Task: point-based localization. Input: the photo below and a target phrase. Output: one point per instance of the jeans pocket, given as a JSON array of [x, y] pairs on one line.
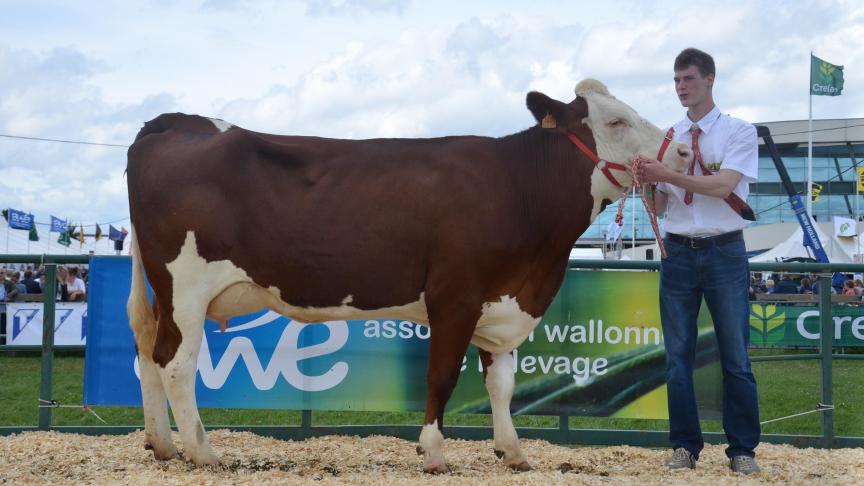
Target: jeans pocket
[[673, 249], [734, 249]]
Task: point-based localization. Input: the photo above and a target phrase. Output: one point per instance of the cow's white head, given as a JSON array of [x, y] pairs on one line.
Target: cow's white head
[[618, 133]]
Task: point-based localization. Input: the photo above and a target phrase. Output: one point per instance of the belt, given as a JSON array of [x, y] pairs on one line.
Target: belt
[[707, 241]]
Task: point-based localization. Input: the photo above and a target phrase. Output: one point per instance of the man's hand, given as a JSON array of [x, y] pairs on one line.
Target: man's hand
[[651, 171]]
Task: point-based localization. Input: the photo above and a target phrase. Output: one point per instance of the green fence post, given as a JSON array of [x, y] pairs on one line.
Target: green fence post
[[47, 384], [825, 350], [306, 423]]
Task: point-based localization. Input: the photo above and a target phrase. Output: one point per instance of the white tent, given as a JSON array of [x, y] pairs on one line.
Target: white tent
[[839, 250]]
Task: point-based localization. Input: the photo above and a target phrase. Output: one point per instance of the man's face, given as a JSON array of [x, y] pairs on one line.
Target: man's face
[[692, 88]]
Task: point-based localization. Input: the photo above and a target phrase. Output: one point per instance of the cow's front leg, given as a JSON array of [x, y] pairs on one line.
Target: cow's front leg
[[500, 382], [451, 333]]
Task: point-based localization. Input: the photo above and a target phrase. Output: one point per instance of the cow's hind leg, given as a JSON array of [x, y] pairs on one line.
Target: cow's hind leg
[[451, 332], [178, 377], [157, 429], [142, 319], [500, 382]]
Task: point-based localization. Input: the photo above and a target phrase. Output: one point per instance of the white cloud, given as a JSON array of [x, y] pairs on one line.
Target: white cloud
[[377, 68]]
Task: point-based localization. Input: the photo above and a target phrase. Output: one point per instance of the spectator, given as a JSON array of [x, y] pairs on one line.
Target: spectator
[[838, 282], [785, 285], [769, 287], [14, 287], [755, 287], [30, 283], [805, 287], [62, 286], [75, 286], [859, 286], [849, 287]]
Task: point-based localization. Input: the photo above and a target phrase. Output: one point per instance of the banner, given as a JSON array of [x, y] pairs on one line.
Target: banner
[[24, 323], [598, 351], [777, 324]]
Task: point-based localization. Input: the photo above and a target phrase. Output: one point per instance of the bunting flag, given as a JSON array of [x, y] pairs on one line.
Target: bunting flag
[[34, 236], [116, 235], [81, 236], [65, 237], [18, 219], [98, 234], [58, 225]]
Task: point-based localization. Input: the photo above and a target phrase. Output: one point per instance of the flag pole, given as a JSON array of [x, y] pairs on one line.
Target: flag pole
[[810, 146]]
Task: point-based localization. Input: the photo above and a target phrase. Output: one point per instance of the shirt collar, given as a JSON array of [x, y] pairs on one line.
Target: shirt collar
[[705, 123]]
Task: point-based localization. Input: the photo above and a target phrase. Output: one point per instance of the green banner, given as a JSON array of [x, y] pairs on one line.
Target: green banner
[[826, 79], [598, 351], [780, 324]]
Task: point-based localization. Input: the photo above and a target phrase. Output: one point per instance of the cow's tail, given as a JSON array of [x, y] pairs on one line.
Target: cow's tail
[[141, 316]]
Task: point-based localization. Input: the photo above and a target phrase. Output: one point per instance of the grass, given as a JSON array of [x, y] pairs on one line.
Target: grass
[[785, 388]]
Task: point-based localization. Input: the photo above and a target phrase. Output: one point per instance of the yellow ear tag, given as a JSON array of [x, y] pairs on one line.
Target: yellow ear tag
[[548, 122]]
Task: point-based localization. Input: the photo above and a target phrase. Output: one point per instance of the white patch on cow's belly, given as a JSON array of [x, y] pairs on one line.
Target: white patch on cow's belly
[[503, 326], [226, 290], [222, 125]]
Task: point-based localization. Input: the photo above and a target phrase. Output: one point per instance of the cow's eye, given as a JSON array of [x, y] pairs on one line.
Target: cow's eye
[[617, 123]]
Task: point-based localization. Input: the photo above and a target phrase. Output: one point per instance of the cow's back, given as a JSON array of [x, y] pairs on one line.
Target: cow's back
[[364, 217]]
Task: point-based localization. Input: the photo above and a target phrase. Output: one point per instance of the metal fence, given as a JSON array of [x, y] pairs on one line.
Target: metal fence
[[562, 434]]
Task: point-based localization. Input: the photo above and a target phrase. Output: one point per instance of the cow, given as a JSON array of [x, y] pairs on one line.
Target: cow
[[467, 235]]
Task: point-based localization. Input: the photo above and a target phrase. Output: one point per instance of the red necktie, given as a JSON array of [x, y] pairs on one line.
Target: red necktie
[[733, 200]]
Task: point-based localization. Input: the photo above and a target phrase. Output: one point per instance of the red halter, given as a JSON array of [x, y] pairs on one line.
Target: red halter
[[607, 165]]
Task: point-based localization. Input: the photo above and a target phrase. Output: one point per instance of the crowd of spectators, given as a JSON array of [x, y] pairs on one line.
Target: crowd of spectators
[[785, 283], [20, 280]]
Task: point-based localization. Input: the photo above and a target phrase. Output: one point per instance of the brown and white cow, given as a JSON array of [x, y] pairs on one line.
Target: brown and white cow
[[468, 235]]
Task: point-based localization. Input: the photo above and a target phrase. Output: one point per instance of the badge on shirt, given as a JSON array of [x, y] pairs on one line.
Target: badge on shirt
[[714, 167]]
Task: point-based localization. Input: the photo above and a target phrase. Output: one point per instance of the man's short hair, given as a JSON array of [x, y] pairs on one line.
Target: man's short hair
[[694, 57]]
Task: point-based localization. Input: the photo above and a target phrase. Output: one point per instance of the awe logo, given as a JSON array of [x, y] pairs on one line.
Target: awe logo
[[285, 360]]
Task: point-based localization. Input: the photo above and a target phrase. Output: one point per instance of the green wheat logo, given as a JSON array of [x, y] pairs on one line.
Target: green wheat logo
[[827, 71], [766, 321]]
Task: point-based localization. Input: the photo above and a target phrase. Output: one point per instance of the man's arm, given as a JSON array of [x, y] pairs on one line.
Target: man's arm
[[720, 185]]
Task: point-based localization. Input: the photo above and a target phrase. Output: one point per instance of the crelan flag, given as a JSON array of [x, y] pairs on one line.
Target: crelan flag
[[826, 79]]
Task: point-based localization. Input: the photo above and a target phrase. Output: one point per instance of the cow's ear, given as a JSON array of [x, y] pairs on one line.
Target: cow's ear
[[548, 112]]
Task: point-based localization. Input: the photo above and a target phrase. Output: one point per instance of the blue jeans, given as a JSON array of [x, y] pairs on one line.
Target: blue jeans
[[720, 274]]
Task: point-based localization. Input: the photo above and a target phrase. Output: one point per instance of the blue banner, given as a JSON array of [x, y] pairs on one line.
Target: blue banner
[[20, 219]]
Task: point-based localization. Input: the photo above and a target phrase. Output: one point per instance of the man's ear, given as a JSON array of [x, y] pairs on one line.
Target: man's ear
[[548, 112]]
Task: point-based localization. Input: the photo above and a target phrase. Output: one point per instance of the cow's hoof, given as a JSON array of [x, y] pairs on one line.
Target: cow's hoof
[[420, 450], [441, 468], [201, 459], [499, 453], [163, 453], [521, 466]]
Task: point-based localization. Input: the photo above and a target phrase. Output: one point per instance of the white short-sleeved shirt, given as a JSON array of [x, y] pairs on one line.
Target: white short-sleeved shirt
[[78, 285], [725, 143]]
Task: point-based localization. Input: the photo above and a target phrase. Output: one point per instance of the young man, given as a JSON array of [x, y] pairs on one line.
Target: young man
[[706, 211]]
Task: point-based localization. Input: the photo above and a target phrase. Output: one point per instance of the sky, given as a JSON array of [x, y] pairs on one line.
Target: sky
[[96, 71]]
